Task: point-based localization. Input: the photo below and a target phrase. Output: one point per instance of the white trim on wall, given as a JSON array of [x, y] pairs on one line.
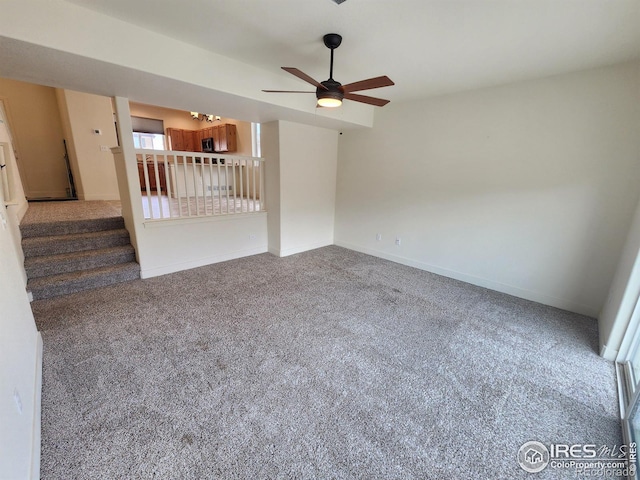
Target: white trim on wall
[[561, 303], [37, 412]]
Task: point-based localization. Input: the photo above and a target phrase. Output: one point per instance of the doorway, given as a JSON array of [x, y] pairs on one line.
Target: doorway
[[32, 115]]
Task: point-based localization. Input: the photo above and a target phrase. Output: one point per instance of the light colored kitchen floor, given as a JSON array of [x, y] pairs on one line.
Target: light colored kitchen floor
[[164, 207]]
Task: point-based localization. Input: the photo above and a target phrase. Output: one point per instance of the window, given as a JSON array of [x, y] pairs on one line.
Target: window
[[150, 141], [148, 133]]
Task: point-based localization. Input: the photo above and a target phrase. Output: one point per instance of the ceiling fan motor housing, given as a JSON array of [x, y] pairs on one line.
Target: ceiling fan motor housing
[[332, 89]]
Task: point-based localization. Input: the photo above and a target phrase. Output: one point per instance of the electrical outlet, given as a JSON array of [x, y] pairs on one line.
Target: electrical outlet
[[378, 237], [104, 148], [252, 236], [398, 241]]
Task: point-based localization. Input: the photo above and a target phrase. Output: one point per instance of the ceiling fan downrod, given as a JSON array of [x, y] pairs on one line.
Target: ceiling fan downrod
[[332, 41]]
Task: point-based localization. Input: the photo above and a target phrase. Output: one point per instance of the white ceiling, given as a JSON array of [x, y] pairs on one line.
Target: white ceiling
[[428, 47]]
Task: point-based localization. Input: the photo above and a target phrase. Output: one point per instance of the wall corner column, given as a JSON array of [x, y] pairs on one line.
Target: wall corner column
[[127, 173]]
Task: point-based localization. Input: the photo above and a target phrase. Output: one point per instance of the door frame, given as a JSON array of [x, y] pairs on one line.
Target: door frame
[[629, 380]]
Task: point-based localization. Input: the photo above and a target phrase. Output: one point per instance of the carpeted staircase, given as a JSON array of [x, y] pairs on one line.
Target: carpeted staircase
[[69, 256]]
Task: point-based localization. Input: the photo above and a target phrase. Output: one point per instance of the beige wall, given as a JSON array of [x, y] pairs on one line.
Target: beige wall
[[34, 119], [83, 113], [528, 188], [179, 119]]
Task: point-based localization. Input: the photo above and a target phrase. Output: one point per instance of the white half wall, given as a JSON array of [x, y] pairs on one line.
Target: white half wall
[[301, 175], [172, 246], [527, 189], [20, 363], [167, 246]]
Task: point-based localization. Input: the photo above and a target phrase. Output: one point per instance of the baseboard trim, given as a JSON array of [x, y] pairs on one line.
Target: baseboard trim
[[561, 303], [608, 352], [37, 413], [285, 252], [106, 197], [201, 262], [47, 194]]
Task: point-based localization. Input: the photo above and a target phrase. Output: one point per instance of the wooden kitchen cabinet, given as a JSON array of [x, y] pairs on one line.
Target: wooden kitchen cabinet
[[187, 138], [216, 138], [225, 138], [153, 185], [176, 139], [198, 135]]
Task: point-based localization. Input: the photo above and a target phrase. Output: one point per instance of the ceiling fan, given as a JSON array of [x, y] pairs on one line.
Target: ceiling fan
[[330, 93]]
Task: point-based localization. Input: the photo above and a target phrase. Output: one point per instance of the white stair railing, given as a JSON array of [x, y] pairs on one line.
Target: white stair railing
[[176, 184], [4, 174]]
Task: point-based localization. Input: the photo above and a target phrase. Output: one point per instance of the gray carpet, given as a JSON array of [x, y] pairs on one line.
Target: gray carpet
[[326, 364], [66, 255], [46, 212]]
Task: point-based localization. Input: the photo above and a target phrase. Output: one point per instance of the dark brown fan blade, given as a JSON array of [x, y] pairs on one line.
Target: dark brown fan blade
[[286, 91], [303, 76], [368, 84], [378, 102]]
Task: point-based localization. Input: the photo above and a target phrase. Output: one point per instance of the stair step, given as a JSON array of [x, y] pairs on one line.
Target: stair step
[[67, 283], [68, 227], [58, 244], [43, 266]]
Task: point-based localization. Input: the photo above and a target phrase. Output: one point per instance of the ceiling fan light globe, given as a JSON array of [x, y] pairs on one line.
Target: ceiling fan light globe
[[329, 102]]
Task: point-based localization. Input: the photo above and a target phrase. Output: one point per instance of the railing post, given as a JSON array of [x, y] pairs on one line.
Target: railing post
[[263, 204]]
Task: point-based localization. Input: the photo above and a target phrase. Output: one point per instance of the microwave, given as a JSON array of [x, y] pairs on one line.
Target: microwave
[[207, 145]]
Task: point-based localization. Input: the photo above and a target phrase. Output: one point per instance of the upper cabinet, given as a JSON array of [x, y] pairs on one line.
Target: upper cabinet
[[198, 135], [176, 138], [187, 136], [225, 138]]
